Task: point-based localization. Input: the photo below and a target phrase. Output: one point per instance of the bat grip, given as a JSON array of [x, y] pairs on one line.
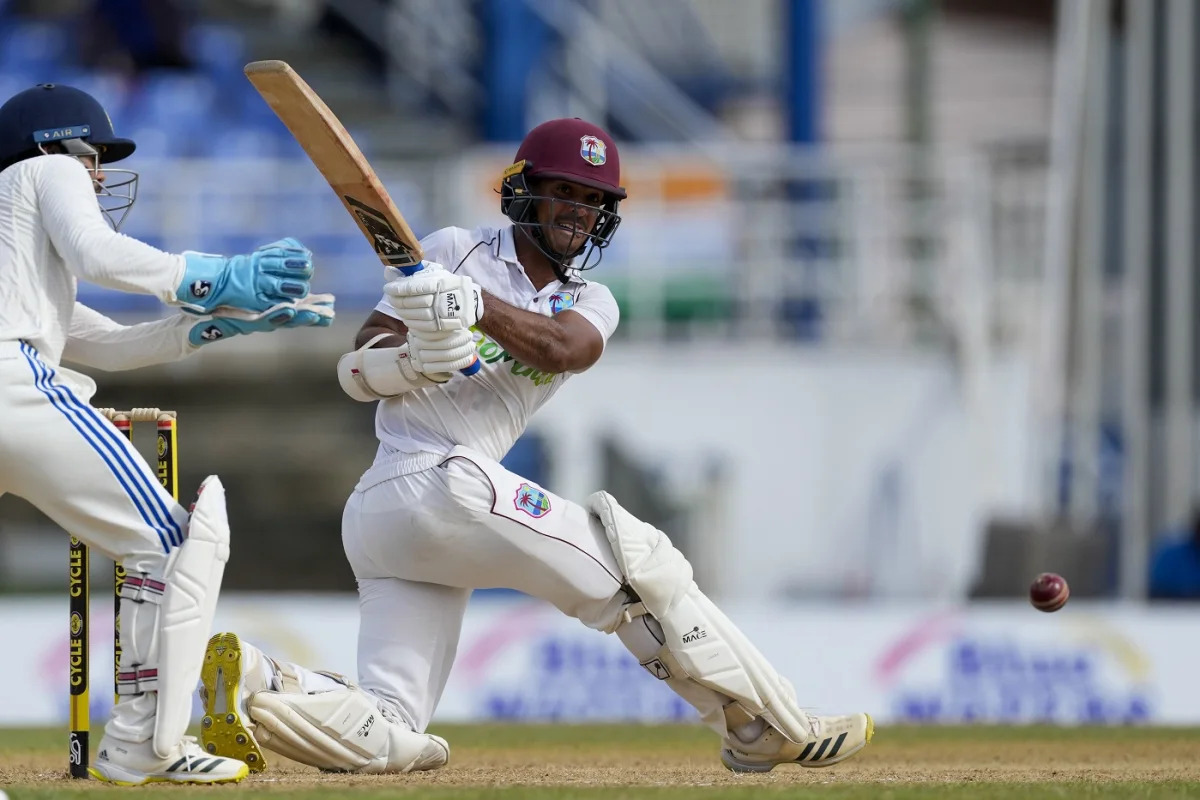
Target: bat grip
[[408, 272]]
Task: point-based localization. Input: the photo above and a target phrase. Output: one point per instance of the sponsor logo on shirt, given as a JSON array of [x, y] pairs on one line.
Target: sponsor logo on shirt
[[490, 351]]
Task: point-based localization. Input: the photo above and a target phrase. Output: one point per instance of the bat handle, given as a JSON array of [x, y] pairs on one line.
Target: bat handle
[[413, 270]]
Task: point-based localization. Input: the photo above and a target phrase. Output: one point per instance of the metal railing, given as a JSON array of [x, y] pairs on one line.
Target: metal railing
[[856, 247]]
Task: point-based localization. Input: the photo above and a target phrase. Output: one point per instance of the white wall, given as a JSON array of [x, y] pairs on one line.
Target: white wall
[[847, 473]]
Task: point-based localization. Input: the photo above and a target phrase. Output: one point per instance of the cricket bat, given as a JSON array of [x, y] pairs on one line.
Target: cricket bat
[[334, 153]]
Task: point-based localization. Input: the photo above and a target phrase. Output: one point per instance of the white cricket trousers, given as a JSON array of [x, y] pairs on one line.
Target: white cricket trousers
[[61, 455], [419, 538]]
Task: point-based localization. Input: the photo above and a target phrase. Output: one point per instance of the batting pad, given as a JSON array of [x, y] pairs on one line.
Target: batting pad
[[701, 643], [341, 731], [193, 583]]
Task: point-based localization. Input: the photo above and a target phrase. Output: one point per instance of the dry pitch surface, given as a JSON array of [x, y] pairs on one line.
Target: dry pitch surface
[[617, 762]]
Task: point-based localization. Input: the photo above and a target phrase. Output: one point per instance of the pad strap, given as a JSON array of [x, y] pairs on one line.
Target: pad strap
[[141, 675]]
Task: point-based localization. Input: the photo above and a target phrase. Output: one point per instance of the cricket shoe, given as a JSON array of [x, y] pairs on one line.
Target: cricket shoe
[[134, 763], [231, 673], [833, 740]]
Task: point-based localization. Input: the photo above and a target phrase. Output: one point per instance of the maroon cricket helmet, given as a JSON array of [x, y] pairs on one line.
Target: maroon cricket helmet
[[573, 150]]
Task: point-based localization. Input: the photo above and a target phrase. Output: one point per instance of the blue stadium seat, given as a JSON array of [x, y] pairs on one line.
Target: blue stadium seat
[[111, 90], [151, 142], [182, 105], [11, 84], [218, 49], [32, 47], [241, 141], [528, 458]]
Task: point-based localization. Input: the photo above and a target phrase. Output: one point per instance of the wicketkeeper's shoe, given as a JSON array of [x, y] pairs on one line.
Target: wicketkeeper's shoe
[[231, 673], [833, 740], [132, 764]]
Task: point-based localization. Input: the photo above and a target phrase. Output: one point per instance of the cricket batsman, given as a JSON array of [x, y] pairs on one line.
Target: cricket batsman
[[60, 454], [437, 515]]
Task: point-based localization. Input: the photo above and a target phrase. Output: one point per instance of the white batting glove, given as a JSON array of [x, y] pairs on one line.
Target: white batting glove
[[433, 355], [437, 303]]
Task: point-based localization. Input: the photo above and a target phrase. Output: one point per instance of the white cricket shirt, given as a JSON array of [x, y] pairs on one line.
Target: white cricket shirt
[[489, 410], [52, 235]]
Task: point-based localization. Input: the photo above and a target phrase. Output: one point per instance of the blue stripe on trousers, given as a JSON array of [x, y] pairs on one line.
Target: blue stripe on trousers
[[108, 444]]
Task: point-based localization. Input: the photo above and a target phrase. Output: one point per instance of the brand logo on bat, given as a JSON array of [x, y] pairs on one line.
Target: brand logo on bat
[[658, 669], [383, 236]]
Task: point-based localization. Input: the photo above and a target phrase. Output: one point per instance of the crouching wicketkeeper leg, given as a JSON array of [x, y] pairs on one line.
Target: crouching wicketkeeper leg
[[681, 637], [167, 608]]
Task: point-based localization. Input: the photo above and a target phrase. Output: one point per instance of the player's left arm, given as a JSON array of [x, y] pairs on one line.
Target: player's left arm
[[569, 341]]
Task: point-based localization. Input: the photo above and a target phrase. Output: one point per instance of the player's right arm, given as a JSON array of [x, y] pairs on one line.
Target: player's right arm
[[199, 282], [90, 248], [394, 331], [387, 361]]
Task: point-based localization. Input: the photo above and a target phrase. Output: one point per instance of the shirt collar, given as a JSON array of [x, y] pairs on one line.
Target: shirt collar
[[506, 248]]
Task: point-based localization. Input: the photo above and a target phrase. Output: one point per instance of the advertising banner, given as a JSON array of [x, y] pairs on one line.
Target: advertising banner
[[521, 660]]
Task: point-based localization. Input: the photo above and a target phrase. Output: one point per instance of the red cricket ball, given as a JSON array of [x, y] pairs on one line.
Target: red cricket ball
[[1049, 592]]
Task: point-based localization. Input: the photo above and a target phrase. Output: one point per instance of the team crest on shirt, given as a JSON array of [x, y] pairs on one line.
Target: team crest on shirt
[[532, 500], [593, 150], [561, 301]]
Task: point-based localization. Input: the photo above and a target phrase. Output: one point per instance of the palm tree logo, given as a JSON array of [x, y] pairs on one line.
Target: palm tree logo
[[532, 500], [560, 301]]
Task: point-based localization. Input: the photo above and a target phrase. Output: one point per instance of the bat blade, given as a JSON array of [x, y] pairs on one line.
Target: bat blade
[[334, 153]]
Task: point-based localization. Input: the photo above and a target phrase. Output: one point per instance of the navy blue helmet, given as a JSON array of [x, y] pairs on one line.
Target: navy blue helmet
[[51, 112]]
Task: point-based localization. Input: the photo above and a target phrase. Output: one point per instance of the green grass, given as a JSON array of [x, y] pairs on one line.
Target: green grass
[[594, 762]]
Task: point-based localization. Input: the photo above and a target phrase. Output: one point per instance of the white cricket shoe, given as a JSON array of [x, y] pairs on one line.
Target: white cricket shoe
[[231, 673], [833, 740], [134, 763]]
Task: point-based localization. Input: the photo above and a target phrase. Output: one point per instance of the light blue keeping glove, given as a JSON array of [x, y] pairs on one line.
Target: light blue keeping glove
[[314, 311], [275, 273]]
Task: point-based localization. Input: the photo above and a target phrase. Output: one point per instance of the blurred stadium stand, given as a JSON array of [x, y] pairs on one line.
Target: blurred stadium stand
[[731, 233]]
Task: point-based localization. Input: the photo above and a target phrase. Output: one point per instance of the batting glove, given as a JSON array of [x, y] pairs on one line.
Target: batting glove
[[436, 303], [446, 353]]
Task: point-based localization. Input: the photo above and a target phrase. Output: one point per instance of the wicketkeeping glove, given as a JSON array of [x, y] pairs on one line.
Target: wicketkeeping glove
[[275, 273], [314, 311]]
